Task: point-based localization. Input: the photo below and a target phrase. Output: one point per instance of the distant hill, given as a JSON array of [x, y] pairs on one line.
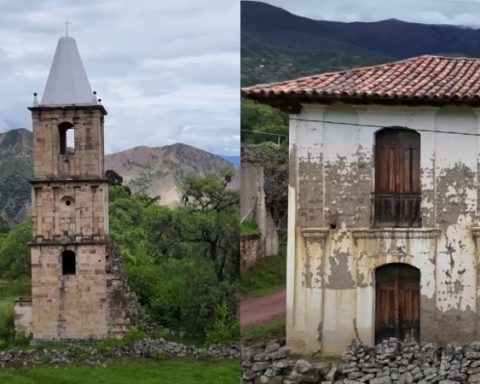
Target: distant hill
[[16, 169], [156, 171], [277, 45], [159, 171]]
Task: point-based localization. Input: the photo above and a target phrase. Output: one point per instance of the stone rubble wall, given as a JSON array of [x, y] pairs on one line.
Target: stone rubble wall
[[83, 354], [390, 362], [124, 310]]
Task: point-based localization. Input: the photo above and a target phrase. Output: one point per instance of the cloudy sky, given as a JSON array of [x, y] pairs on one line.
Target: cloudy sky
[[167, 71], [457, 12]]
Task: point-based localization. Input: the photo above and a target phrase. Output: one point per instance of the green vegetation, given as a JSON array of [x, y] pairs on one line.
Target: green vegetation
[[274, 329], [260, 123], [15, 253], [249, 228], [182, 262], [266, 276], [163, 371]]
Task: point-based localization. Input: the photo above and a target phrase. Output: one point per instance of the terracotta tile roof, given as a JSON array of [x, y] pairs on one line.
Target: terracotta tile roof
[[422, 79]]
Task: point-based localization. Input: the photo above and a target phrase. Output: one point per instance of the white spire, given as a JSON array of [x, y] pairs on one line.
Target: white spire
[[67, 82]]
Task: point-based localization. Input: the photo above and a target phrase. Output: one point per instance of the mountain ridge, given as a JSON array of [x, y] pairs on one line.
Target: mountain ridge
[[279, 45], [157, 171]]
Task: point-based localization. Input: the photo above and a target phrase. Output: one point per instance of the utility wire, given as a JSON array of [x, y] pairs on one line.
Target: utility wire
[[383, 126], [265, 133]]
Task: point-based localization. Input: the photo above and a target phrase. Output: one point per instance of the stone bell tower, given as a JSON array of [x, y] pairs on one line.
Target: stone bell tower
[[71, 275]]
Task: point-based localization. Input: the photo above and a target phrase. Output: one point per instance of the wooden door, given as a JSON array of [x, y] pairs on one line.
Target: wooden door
[[397, 304]]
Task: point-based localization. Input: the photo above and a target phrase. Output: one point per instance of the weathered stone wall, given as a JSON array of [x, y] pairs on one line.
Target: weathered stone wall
[[96, 302], [86, 161], [333, 249], [70, 211], [252, 249], [123, 308], [69, 306], [252, 204], [23, 316]]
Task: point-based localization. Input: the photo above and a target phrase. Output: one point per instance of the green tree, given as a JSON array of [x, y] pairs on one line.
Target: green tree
[[261, 123], [15, 252], [210, 217]]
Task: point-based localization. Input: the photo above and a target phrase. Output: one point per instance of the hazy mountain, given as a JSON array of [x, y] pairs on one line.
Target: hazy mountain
[[277, 44], [156, 171], [235, 160], [15, 170]]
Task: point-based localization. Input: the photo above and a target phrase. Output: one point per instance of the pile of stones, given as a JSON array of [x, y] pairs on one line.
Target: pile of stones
[[270, 364], [91, 355], [392, 361], [389, 362]]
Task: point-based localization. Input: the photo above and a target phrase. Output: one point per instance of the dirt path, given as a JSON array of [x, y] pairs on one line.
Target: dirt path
[[256, 310]]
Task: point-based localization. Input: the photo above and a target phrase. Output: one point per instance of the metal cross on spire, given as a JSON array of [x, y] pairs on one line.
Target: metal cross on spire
[[66, 26]]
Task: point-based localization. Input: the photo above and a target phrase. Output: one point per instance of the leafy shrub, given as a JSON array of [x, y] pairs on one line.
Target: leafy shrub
[[7, 327], [226, 326], [15, 252], [21, 339], [183, 294], [132, 335]]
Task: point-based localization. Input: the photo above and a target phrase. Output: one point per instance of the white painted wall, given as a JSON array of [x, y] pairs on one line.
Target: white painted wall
[[320, 317]]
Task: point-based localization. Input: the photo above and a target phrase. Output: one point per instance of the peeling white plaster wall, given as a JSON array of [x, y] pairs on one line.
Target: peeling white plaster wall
[[330, 276]]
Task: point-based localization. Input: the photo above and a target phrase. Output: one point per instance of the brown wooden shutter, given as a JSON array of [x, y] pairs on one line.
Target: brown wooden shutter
[[397, 161], [397, 177]]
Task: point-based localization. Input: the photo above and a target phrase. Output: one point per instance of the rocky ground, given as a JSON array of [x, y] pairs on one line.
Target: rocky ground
[[103, 355], [389, 362]]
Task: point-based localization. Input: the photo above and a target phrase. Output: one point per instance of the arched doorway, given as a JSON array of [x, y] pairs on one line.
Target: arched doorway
[[397, 303]]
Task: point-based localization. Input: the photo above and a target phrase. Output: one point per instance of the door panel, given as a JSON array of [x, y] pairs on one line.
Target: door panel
[[397, 304]]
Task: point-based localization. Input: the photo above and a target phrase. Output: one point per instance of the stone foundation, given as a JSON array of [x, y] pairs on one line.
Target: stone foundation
[[389, 362]]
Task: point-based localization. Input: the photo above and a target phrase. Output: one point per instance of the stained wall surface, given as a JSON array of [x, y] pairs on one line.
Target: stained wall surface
[[333, 247]]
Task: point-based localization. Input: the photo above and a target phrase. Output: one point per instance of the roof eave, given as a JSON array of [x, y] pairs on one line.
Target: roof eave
[[291, 102], [41, 107]]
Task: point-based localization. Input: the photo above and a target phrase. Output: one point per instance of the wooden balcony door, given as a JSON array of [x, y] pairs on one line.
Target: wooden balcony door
[[397, 304], [397, 178]]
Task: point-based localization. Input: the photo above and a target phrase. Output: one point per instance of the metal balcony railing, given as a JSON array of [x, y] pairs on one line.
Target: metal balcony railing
[[396, 209]]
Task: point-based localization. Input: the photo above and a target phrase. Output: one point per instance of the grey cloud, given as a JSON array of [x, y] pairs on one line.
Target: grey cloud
[[456, 12], [192, 80]]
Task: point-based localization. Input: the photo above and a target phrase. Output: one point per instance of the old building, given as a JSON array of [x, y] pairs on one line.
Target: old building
[[384, 209], [255, 247], [78, 290]]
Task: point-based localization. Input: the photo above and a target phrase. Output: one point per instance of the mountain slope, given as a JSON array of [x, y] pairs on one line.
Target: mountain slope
[[16, 169], [159, 171], [277, 44], [156, 171]]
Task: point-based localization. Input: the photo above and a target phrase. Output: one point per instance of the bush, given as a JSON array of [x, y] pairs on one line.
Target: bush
[[132, 335], [15, 252], [226, 326], [7, 326], [185, 295]]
